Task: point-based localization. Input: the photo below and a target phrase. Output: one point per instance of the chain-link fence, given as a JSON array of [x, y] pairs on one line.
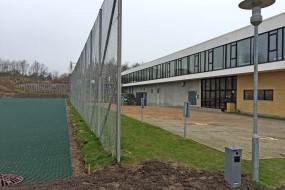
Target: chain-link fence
[[96, 79], [47, 88]]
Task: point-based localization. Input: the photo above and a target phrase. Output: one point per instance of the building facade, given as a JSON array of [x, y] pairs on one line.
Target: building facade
[[218, 71]]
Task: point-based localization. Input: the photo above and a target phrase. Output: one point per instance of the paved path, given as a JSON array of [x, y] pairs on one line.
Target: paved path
[[217, 129]]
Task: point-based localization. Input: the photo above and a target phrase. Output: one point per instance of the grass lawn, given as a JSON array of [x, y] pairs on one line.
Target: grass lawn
[[141, 142]]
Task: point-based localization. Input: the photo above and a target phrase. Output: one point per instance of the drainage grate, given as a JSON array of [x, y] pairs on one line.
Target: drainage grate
[[9, 179]]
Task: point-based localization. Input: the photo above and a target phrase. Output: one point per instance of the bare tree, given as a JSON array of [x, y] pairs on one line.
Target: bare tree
[[24, 67], [125, 66], [55, 74]]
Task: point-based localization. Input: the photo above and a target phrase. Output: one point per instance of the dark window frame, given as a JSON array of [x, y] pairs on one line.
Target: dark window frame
[[261, 91]]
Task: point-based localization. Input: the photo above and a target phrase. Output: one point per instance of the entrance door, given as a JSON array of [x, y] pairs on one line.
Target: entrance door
[[139, 96], [192, 97]]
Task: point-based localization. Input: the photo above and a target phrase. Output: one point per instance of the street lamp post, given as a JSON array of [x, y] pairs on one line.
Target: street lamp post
[[255, 20]]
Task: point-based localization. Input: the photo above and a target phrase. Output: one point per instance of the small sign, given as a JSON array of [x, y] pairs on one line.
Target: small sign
[[142, 102], [187, 109]]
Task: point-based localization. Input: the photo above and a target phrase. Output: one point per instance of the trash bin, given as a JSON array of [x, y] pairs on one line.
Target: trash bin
[[231, 107], [233, 166]]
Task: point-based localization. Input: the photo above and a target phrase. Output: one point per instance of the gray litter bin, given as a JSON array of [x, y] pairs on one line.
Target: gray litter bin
[[233, 166]]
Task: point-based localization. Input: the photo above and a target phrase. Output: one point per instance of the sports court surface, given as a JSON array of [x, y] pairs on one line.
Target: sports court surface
[[34, 139]]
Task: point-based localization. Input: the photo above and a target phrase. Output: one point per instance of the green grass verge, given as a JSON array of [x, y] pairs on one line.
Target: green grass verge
[[141, 142], [90, 146]]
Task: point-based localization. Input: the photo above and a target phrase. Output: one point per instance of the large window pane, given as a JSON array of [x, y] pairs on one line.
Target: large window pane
[[210, 65], [228, 56], [159, 71], [243, 52], [172, 68], [154, 74], [273, 46], [166, 70], [196, 63], [272, 42], [191, 64], [218, 58], [206, 61], [184, 66], [163, 70], [150, 73], [279, 48], [147, 74], [202, 61], [262, 48], [284, 43], [268, 95], [248, 95]]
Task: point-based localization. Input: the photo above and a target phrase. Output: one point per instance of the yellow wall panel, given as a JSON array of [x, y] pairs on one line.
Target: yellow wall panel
[[268, 80]]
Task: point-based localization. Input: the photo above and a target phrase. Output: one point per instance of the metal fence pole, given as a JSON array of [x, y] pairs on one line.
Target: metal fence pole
[[100, 74], [119, 54]]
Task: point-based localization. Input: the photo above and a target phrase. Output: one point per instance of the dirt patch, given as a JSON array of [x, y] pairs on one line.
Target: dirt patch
[[78, 166], [32, 95], [150, 175]]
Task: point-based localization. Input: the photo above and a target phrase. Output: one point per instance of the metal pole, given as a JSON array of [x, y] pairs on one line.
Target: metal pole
[[185, 119], [255, 138], [118, 152], [100, 75], [142, 114]]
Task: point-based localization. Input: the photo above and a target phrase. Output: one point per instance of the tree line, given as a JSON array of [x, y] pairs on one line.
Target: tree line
[[35, 70], [127, 65]]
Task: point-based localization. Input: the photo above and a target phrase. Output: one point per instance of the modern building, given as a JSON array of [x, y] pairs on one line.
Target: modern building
[[218, 71]]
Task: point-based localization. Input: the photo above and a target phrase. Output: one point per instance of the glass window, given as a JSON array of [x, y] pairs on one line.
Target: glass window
[[166, 70], [229, 83], [196, 63], [147, 74], [218, 58], [159, 71], [243, 52], [273, 46], [191, 64], [283, 43], [208, 84], [210, 65], [262, 48], [207, 61], [228, 56], [213, 84], [163, 70], [210, 56], [178, 67], [260, 94], [130, 77], [248, 95], [202, 61], [222, 83], [268, 95], [150, 73], [154, 74], [272, 42], [233, 55], [279, 48], [139, 75], [172, 68], [184, 66]]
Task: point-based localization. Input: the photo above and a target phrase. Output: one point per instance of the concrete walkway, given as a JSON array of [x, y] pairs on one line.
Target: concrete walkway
[[217, 129]]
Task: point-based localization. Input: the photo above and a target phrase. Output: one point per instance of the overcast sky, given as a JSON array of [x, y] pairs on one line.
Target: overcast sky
[[54, 32]]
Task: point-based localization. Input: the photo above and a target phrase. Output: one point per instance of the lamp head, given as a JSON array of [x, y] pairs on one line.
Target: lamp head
[[249, 4]]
